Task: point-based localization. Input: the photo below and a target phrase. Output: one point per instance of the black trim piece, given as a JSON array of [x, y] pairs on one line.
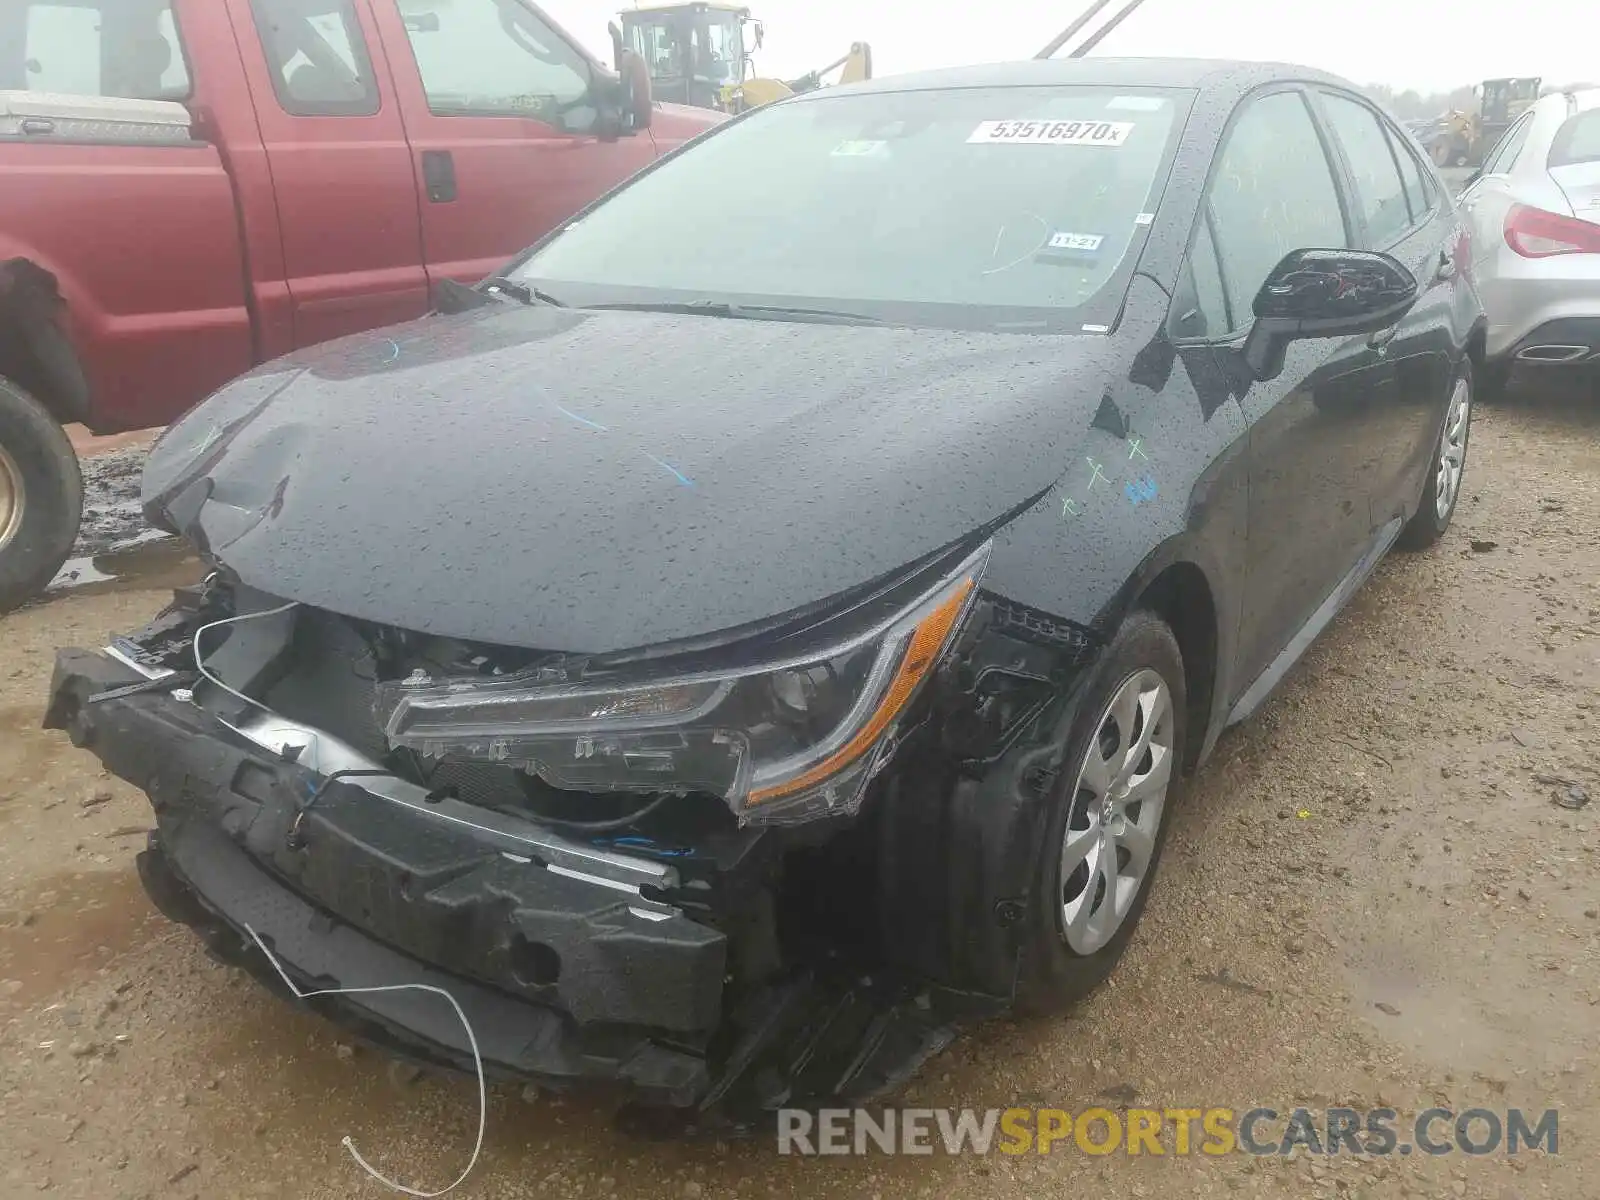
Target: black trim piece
[[1031, 625]]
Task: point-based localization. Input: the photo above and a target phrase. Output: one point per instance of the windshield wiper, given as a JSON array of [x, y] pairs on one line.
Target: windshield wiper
[[519, 291], [741, 312]]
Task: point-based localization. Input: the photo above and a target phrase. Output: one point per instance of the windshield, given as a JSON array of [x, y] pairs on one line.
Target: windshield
[[978, 208]]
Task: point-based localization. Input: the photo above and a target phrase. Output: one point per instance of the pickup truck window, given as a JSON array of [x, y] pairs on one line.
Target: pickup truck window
[[318, 57], [496, 58], [126, 48]]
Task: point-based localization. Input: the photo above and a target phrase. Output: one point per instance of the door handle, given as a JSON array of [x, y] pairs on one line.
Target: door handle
[[439, 175], [1380, 340], [1446, 269]]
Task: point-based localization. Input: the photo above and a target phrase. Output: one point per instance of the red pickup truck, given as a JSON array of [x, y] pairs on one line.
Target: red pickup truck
[[190, 187]]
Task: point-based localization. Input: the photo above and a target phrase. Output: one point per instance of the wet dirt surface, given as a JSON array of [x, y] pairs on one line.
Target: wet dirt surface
[[113, 540], [1370, 897]]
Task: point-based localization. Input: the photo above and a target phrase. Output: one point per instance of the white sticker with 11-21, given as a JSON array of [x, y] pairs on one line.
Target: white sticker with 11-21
[[1075, 241], [1052, 133]]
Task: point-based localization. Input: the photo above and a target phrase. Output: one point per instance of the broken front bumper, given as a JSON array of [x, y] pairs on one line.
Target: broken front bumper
[[563, 961]]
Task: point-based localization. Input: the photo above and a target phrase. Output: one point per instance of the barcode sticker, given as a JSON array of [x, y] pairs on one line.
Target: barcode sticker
[[1051, 133]]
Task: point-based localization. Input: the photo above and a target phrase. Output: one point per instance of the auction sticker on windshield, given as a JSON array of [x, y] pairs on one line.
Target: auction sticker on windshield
[[1052, 133]]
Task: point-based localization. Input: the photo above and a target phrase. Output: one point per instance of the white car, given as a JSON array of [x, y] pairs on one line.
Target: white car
[[1535, 213]]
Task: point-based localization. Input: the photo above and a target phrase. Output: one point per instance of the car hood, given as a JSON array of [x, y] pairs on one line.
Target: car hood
[[593, 481]]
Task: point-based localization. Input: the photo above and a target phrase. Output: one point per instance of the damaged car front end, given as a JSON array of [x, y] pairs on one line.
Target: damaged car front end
[[658, 870], [729, 744]]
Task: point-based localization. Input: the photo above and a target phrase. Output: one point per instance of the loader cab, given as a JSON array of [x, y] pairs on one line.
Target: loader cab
[[1503, 100], [1500, 102], [693, 50]]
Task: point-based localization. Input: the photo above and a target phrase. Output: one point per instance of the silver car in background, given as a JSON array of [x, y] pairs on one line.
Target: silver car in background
[[1535, 213]]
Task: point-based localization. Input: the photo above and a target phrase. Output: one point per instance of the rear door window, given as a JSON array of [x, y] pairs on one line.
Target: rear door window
[[117, 48], [317, 56], [1420, 192], [1379, 190]]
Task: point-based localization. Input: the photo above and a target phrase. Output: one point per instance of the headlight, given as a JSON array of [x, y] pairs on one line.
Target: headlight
[[780, 741]]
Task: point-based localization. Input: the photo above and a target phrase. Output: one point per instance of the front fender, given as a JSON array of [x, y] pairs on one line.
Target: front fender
[[1160, 480]]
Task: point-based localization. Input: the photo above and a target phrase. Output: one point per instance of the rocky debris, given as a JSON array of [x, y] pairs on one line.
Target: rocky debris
[[1574, 797]]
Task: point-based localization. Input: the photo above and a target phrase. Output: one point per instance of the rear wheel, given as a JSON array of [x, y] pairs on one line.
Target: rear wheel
[[1442, 490], [41, 496], [1109, 820]]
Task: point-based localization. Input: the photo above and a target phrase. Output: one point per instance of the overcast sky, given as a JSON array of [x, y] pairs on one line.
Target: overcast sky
[[1426, 44]]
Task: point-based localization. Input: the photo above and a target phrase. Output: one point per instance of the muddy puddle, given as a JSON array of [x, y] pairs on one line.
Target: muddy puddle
[[116, 550], [152, 560]]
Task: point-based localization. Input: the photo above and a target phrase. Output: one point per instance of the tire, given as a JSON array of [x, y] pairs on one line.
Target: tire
[[1432, 518], [1061, 966], [41, 496]]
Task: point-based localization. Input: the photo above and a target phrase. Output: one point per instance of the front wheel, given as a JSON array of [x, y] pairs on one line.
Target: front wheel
[[41, 496], [1442, 489], [1109, 817]]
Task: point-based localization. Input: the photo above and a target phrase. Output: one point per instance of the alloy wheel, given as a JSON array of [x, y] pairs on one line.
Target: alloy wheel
[[1453, 449], [1110, 839], [13, 498]]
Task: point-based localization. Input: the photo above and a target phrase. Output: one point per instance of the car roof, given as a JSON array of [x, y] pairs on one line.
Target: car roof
[[1583, 98], [1211, 74]]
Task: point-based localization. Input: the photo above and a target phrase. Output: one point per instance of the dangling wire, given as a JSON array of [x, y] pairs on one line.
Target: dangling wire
[[477, 1062]]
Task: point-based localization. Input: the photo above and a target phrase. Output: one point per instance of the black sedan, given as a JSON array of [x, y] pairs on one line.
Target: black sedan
[[771, 622]]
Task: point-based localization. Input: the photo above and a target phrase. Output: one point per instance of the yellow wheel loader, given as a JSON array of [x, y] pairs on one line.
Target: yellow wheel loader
[[1462, 139], [698, 54]]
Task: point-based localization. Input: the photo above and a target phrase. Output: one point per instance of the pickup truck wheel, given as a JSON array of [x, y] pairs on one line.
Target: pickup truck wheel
[[1109, 817], [41, 496]]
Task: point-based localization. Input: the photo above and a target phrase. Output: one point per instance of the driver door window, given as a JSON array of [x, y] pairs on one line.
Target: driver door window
[[495, 58], [1273, 192]]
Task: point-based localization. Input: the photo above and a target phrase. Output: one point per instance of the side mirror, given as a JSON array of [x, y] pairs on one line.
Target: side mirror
[[1325, 293], [622, 99], [637, 102]]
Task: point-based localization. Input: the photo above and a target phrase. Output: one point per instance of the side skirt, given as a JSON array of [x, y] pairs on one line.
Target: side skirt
[[1347, 587]]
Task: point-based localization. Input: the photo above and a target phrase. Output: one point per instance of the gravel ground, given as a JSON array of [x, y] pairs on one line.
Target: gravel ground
[[1370, 898]]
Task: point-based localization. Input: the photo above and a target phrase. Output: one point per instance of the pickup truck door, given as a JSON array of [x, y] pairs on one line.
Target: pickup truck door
[[341, 169], [497, 109]]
